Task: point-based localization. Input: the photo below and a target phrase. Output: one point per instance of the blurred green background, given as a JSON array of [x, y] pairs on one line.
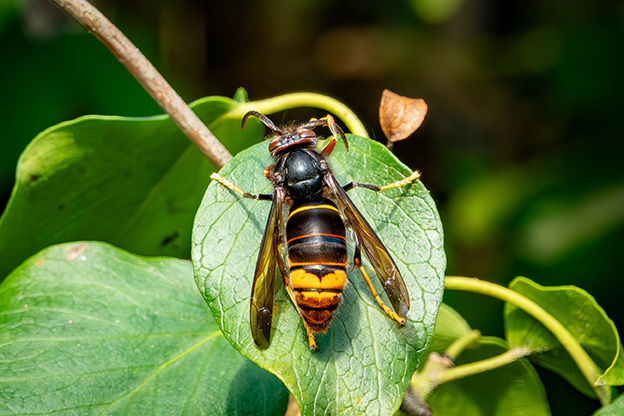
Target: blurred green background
[[521, 148]]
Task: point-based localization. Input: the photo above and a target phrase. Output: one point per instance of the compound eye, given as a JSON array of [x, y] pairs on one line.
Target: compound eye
[[307, 135]]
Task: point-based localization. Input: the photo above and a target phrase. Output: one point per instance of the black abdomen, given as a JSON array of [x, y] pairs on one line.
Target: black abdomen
[[317, 258]]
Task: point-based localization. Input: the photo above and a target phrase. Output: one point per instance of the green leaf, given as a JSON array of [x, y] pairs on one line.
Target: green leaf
[[512, 390], [450, 326], [365, 361], [582, 317], [133, 182], [241, 95], [614, 409], [86, 328]]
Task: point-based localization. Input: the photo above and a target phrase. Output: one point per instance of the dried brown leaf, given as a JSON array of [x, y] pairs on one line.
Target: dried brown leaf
[[400, 116]]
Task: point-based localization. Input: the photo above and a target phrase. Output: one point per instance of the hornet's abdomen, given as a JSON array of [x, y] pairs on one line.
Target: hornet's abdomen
[[317, 258]]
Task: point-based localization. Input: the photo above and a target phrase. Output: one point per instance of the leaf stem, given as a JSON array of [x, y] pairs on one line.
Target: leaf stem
[[304, 99], [427, 380], [586, 365], [150, 79], [439, 369], [461, 343], [455, 373]]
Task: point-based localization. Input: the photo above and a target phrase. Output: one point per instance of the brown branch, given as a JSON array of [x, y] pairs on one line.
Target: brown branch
[[151, 80]]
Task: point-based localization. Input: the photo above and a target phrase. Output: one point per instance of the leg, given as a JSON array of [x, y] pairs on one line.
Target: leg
[[357, 262], [405, 181], [329, 147], [220, 179], [335, 129]]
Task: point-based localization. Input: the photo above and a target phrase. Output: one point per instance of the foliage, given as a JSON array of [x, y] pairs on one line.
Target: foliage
[[614, 409], [86, 328], [514, 389], [364, 355], [560, 328], [135, 183], [138, 199], [89, 328], [582, 317]]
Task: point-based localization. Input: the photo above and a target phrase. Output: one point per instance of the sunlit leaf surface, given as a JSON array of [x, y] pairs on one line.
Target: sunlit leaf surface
[[133, 182], [614, 409], [88, 329], [365, 360]]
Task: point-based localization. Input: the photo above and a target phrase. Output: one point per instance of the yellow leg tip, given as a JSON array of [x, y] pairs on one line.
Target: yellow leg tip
[[405, 181], [392, 314]]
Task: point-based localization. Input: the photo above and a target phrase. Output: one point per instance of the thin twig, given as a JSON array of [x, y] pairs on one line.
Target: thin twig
[[151, 80]]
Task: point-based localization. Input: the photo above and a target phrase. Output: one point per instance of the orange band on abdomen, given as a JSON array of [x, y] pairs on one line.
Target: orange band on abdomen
[[303, 279]]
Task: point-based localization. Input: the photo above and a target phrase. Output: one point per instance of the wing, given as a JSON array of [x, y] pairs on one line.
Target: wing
[[373, 248], [262, 292]]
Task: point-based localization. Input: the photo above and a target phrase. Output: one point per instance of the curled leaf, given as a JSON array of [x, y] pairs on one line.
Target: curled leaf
[[400, 116]]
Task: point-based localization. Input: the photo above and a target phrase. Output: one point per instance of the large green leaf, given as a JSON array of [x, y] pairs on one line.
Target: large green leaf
[[583, 318], [365, 361], [512, 390], [449, 326], [133, 182], [86, 328], [614, 409]]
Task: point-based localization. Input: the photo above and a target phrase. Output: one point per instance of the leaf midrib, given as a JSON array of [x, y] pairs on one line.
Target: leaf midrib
[[161, 368]]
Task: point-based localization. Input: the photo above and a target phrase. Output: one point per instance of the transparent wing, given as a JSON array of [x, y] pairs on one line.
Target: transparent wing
[[262, 292], [377, 254]]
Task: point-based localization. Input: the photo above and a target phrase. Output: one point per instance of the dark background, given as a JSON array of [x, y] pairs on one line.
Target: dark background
[[521, 148]]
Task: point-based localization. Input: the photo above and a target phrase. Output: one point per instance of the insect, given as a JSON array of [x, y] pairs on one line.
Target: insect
[[314, 233]]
